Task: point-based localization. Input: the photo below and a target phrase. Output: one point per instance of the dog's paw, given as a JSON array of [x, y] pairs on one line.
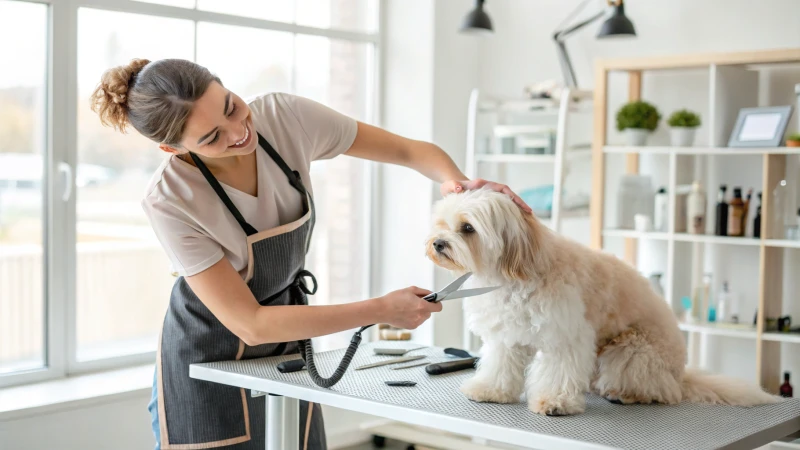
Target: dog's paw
[[480, 391], [557, 405]]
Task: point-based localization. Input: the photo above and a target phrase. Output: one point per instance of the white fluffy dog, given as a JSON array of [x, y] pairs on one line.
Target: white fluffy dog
[[567, 320]]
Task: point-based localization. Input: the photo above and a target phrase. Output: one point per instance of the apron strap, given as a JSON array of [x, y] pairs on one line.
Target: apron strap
[[248, 229], [292, 175]]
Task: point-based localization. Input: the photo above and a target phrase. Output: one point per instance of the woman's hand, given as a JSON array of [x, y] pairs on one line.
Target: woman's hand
[[468, 185], [406, 309]]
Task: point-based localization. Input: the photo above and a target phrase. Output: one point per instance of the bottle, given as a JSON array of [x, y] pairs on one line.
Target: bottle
[[696, 210], [757, 220], [660, 211], [735, 212], [723, 304], [721, 225], [786, 388], [746, 211]]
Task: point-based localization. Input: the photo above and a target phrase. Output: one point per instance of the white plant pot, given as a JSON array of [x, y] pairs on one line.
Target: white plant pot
[[636, 137], [682, 136]]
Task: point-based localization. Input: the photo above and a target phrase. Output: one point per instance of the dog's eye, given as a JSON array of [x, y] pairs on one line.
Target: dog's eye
[[467, 228]]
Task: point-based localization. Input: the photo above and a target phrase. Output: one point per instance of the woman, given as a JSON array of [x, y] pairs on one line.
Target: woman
[[233, 209]]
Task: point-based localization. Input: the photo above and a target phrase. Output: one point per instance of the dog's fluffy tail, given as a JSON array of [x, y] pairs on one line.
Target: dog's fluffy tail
[[701, 387]]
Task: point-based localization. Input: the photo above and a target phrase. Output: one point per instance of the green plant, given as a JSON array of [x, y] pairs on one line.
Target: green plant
[[684, 118], [639, 114], [793, 137]]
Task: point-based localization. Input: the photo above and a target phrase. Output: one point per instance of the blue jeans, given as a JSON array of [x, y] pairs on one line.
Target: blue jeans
[[153, 408]]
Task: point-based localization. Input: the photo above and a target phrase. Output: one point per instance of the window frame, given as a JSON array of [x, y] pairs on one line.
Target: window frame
[[61, 144]]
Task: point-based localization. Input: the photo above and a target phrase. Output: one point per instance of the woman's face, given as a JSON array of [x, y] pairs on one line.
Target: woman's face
[[219, 125]]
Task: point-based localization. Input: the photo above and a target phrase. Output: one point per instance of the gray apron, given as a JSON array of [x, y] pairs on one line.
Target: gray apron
[[195, 414]]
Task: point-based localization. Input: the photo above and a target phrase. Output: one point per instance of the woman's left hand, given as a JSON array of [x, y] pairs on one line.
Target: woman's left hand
[[468, 185]]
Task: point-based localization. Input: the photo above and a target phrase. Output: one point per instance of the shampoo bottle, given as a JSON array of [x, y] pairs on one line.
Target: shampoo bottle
[[660, 210], [757, 220], [736, 210], [721, 224], [696, 210]]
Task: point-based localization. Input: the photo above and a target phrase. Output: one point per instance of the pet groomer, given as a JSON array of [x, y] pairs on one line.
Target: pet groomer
[[233, 208]]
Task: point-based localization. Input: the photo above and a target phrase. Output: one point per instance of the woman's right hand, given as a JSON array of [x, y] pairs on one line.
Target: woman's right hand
[[406, 309]]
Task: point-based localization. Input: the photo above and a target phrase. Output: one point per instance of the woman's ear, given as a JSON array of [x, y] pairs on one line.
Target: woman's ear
[[170, 149]]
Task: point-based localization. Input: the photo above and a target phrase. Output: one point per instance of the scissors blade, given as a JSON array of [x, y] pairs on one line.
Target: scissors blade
[[467, 293], [436, 296]]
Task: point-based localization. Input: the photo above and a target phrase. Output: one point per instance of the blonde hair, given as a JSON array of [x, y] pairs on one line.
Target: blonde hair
[[155, 97]]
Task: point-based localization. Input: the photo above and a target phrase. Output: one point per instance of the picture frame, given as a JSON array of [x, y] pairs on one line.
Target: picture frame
[[760, 127]]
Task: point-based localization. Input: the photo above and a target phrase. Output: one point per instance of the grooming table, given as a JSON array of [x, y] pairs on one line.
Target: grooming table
[[436, 402]]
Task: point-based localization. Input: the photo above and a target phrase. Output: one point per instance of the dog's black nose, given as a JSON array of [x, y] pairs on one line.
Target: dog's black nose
[[439, 245]]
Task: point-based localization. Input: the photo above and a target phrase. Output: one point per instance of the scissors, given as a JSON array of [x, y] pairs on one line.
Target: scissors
[[449, 292]]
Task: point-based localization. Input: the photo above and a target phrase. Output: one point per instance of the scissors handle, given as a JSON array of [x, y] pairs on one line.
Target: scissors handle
[[430, 297]]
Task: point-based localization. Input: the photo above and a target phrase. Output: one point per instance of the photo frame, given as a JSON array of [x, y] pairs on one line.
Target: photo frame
[[760, 127]]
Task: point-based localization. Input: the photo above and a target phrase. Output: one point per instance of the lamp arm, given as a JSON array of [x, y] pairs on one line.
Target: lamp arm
[[563, 57]]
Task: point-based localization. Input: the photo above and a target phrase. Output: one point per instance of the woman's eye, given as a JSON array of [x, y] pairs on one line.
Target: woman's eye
[[216, 137], [233, 110], [467, 228]]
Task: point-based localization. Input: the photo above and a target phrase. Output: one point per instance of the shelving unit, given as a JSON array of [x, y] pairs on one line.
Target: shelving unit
[[491, 163], [735, 80]]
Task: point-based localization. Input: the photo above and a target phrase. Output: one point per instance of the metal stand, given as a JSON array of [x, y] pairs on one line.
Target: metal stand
[[283, 423]]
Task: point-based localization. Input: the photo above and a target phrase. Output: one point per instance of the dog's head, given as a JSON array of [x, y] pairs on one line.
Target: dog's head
[[486, 233]]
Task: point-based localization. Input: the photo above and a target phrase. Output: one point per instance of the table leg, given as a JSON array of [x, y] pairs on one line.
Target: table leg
[[283, 423]]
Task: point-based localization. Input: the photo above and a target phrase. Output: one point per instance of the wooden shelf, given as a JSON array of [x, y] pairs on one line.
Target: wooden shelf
[[712, 239], [784, 243], [633, 234], [721, 329], [781, 337], [516, 158], [726, 151]]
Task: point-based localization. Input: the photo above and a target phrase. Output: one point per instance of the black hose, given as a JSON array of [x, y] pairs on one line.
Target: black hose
[[307, 353]]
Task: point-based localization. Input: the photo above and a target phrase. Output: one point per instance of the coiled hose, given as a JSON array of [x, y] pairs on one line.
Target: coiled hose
[[307, 353]]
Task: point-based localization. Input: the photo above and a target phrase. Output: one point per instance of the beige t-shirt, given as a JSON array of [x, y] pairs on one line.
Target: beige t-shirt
[[191, 222]]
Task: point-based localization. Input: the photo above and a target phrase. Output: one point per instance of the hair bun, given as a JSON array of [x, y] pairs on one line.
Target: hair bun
[[110, 99]]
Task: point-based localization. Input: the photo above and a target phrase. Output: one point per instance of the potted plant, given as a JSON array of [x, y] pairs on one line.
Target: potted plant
[[683, 124], [793, 140], [637, 119]]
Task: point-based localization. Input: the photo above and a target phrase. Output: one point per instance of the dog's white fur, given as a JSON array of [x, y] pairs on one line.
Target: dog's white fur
[[567, 320]]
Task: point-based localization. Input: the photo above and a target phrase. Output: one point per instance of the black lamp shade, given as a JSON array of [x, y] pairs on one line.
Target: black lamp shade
[[477, 21], [617, 25]]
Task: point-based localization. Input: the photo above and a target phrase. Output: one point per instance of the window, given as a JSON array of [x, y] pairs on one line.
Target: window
[[111, 277], [23, 96], [123, 277]]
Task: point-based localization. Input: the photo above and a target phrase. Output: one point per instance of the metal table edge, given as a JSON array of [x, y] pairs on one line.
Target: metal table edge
[[401, 414]]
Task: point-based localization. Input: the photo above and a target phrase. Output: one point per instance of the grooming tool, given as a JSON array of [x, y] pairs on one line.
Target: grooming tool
[[451, 366], [395, 351], [449, 292], [391, 361], [457, 352], [294, 365], [401, 383], [416, 364]]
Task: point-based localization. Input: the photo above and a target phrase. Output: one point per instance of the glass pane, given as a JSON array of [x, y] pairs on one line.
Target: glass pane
[[249, 61], [276, 10], [351, 15], [123, 275], [337, 74], [23, 97]]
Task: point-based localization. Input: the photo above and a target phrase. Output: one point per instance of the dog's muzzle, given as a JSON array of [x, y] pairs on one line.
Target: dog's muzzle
[[439, 245]]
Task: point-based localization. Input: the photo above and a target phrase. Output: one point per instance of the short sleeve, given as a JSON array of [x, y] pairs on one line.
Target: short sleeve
[[189, 250], [330, 132]]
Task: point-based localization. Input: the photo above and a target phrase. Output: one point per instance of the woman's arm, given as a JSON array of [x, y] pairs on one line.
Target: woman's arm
[[227, 296], [377, 144]]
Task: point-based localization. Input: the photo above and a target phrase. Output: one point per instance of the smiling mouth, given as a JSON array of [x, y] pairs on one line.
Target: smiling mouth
[[245, 139]]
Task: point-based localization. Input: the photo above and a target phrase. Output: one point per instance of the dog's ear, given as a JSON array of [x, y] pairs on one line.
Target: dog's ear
[[523, 255]]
